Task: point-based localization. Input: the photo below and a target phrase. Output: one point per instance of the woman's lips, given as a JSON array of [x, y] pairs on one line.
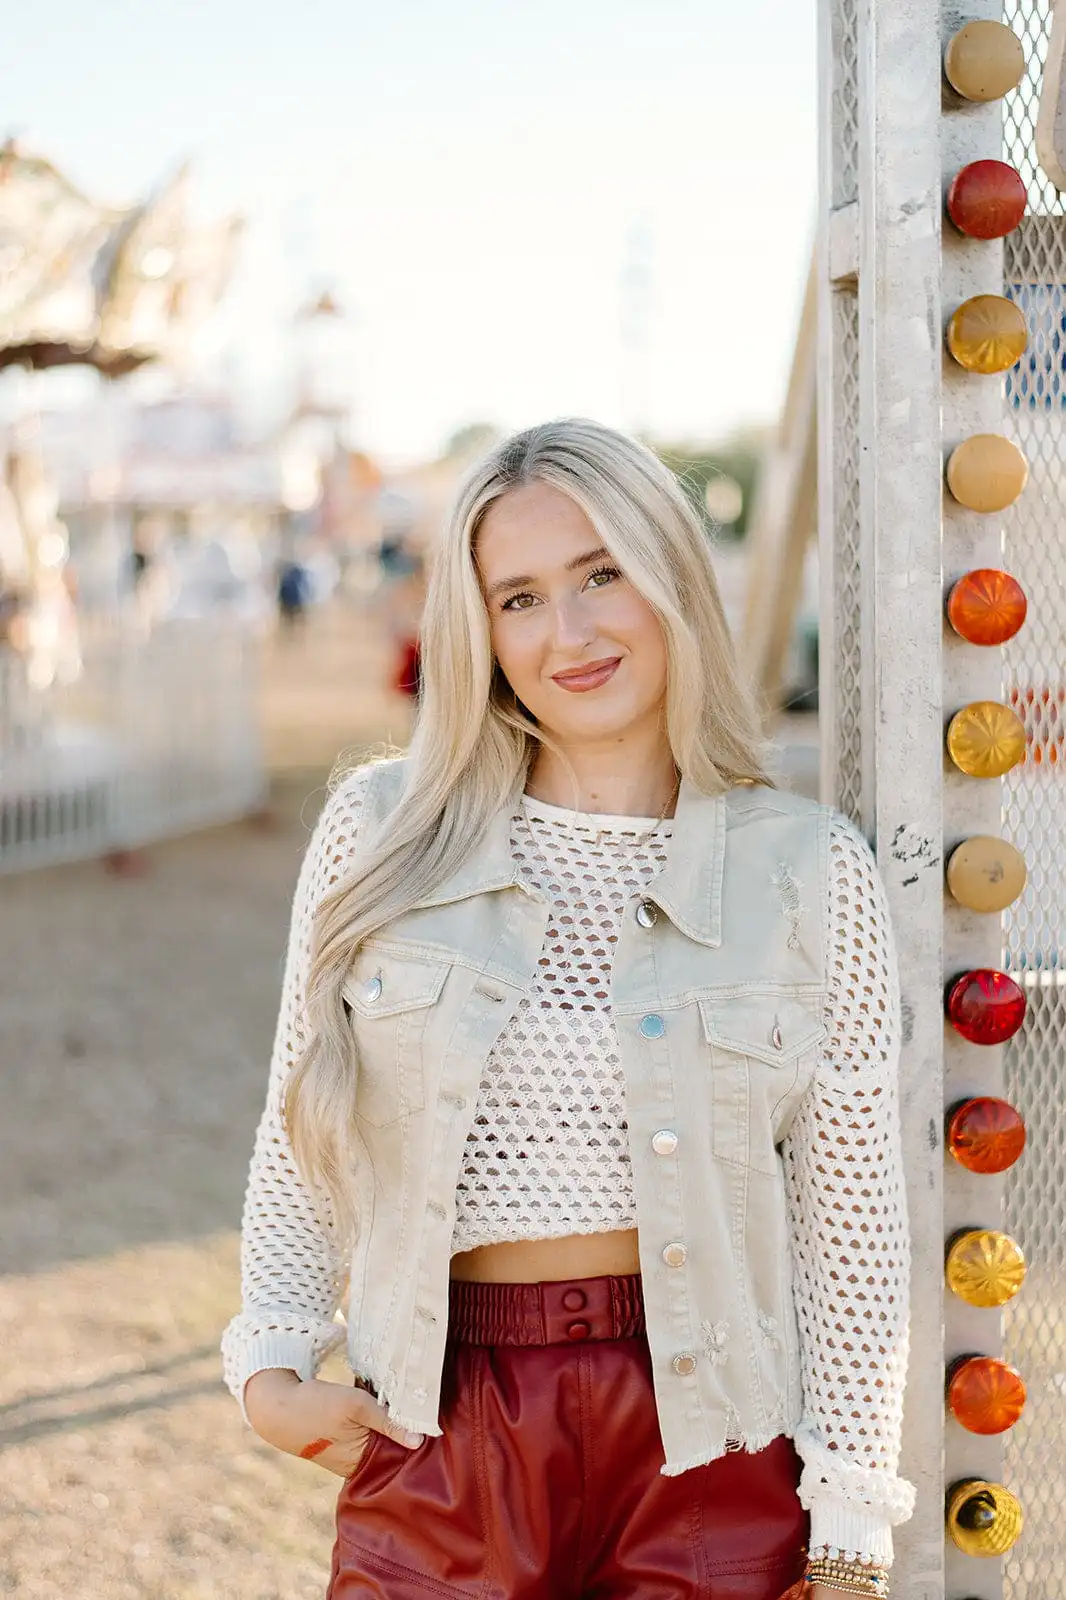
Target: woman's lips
[[578, 681]]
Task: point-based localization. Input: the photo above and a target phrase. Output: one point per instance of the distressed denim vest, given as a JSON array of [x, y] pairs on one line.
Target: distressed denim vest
[[718, 991]]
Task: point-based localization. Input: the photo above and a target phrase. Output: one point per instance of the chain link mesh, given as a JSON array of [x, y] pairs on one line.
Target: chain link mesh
[[843, 537], [1034, 818], [847, 712], [845, 25]]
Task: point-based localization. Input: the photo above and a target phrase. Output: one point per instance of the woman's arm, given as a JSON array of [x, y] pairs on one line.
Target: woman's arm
[[850, 1242], [292, 1266]]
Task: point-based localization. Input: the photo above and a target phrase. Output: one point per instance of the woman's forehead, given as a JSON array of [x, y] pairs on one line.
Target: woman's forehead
[[533, 520]]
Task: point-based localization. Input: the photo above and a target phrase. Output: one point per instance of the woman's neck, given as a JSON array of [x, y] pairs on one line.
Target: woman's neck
[[616, 780]]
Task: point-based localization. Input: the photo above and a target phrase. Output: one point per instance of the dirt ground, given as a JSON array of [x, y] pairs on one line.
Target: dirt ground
[[137, 1015], [137, 1020]]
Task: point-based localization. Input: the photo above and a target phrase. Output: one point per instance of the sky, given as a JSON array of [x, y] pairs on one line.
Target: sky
[[526, 207]]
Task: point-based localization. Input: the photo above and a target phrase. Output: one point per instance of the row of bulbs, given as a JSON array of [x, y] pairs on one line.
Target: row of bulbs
[[986, 739]]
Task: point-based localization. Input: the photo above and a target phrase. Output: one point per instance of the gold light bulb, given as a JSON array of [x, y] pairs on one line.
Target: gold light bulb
[[985, 1267], [984, 1519]]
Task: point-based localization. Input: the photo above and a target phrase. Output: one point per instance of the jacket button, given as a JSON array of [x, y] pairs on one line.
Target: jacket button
[[575, 1300], [664, 1143], [372, 990], [684, 1364], [775, 1036], [652, 1026], [578, 1330], [676, 1254], [647, 913]]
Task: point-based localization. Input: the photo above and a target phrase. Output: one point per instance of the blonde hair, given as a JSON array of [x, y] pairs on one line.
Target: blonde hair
[[473, 741]]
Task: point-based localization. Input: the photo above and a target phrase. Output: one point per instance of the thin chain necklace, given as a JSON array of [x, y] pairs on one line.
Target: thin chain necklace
[[598, 840], [566, 929]]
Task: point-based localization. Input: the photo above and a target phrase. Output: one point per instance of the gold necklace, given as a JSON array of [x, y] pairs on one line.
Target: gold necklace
[[563, 967]]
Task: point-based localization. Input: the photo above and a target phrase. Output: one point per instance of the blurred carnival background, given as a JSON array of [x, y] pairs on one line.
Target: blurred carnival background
[[268, 281]]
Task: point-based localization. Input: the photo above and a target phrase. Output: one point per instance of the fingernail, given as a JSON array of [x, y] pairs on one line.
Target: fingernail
[[414, 1439]]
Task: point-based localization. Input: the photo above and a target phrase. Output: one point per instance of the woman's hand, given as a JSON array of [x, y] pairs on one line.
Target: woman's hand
[[327, 1423]]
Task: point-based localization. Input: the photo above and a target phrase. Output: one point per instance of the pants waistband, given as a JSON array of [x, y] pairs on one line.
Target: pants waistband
[[566, 1312]]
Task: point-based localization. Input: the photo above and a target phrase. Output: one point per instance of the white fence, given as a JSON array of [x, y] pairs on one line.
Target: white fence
[[156, 735]]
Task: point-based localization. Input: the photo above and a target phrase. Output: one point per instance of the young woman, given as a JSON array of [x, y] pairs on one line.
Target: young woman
[[585, 1087]]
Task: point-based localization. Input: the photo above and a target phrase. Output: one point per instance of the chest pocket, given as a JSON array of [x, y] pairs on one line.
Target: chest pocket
[[764, 1049], [390, 1001]]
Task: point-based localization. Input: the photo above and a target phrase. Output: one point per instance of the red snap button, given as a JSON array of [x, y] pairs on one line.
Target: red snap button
[[575, 1300], [578, 1330]]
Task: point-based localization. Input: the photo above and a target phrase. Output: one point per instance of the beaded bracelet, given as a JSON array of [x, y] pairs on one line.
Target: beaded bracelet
[[848, 1576]]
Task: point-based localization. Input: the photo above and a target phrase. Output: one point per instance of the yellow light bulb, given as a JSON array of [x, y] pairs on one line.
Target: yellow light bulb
[[986, 739], [987, 333], [983, 1518], [984, 1267]]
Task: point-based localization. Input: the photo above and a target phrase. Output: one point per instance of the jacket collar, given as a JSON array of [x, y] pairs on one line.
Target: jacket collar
[[689, 889]]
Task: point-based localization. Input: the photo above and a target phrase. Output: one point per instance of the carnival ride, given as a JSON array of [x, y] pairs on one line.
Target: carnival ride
[[109, 740], [923, 438]]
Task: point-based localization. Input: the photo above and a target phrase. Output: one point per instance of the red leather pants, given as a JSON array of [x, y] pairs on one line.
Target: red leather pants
[[545, 1484]]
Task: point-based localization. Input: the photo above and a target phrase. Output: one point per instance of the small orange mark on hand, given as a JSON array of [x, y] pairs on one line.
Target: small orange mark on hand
[[315, 1448]]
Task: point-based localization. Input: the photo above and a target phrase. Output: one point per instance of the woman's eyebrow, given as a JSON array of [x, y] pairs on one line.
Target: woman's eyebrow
[[524, 578]]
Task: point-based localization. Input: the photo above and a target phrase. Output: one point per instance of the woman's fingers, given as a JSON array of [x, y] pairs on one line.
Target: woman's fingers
[[320, 1421]]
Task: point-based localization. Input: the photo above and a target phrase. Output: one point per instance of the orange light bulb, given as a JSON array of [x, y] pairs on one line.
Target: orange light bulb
[[985, 1395], [987, 606], [985, 1134]]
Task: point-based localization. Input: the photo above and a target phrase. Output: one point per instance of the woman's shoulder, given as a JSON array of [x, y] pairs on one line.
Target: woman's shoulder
[[371, 788], [750, 797]]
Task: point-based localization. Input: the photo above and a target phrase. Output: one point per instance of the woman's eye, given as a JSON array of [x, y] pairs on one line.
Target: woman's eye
[[513, 603], [602, 576]]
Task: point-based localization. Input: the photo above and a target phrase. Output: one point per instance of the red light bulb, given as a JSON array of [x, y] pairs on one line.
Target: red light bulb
[[985, 1134], [985, 1006], [986, 199]]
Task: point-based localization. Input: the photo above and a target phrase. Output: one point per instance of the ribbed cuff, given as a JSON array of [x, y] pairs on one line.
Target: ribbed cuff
[[263, 1351], [846, 1529]]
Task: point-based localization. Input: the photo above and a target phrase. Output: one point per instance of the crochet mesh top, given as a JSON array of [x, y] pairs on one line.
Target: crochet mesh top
[[547, 1153]]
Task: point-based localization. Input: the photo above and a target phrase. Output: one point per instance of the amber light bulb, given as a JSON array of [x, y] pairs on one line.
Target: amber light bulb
[[985, 1395], [987, 333], [985, 1134], [985, 1006], [985, 1267], [984, 1519], [987, 606], [986, 739]]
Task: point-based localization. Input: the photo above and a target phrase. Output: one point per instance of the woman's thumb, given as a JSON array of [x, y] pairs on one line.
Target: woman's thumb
[[404, 1436]]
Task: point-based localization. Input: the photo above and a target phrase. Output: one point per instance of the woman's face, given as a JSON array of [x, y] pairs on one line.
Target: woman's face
[[582, 650]]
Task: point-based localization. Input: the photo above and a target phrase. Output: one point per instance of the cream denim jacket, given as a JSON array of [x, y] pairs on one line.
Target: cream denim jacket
[[718, 1006]]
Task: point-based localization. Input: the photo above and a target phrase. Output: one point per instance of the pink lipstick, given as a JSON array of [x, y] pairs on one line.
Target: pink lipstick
[[578, 680]]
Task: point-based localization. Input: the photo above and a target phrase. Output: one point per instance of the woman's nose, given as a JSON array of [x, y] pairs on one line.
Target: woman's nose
[[573, 626]]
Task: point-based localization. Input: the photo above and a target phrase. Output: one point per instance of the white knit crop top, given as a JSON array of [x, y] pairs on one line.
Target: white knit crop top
[[548, 1152]]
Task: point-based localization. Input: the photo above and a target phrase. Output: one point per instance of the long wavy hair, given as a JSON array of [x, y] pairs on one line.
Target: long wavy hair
[[474, 741]]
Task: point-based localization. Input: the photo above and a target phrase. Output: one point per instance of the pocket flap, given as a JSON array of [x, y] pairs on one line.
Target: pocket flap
[[381, 985], [774, 1027]]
